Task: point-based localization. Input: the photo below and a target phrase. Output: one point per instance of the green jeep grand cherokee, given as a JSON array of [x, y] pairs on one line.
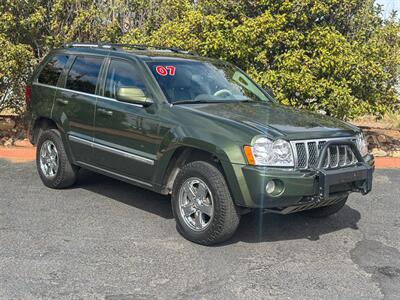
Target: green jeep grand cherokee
[[196, 128]]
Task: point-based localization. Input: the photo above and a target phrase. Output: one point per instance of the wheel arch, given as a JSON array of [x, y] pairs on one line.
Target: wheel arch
[[173, 160], [44, 123], [41, 124]]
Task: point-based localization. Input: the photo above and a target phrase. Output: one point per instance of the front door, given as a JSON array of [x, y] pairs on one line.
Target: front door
[[75, 103], [126, 135]]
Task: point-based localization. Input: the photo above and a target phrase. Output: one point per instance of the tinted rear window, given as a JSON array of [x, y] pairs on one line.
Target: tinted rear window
[[52, 71], [83, 74]]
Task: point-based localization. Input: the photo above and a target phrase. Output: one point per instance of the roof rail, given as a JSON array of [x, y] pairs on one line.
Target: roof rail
[[86, 45], [114, 46]]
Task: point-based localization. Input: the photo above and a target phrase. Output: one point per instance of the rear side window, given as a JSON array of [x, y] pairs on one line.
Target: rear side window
[[83, 74], [52, 71], [122, 74]]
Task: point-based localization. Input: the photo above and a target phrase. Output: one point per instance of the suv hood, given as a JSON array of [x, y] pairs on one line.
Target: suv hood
[[277, 120]]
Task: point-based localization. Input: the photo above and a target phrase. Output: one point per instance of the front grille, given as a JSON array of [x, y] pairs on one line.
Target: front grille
[[307, 154]]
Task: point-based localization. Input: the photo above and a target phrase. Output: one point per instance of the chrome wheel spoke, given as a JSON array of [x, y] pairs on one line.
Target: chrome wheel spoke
[[53, 165], [189, 192], [201, 192], [205, 209], [51, 171], [53, 153], [49, 159], [198, 220], [196, 204], [188, 209], [49, 148]]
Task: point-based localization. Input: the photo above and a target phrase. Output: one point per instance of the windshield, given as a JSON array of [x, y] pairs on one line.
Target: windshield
[[203, 81]]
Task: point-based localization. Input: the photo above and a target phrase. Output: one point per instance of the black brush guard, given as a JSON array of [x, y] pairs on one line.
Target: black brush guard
[[360, 174]]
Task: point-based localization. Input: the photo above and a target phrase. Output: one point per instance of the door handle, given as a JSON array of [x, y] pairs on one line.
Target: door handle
[[104, 111], [62, 101]]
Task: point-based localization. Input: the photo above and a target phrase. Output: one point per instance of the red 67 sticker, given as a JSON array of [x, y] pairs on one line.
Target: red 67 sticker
[[164, 71]]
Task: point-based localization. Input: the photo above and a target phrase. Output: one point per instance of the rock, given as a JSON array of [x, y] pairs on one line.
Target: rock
[[378, 152], [6, 124], [382, 138], [8, 142], [22, 143], [396, 154], [3, 140], [371, 139]]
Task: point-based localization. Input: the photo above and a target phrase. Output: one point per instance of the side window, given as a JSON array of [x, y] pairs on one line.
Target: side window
[[52, 71], [122, 74], [83, 74]]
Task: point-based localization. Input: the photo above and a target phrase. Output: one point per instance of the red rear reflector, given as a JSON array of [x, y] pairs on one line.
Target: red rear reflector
[[27, 94]]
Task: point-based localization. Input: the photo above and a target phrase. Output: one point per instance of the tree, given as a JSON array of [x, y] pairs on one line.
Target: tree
[[334, 55], [14, 67], [337, 56]]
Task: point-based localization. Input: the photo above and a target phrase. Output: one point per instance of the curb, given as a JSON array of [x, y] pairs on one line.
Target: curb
[[18, 154], [387, 162]]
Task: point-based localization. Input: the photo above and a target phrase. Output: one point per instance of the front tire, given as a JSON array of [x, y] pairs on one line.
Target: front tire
[[202, 204], [52, 162], [325, 211]]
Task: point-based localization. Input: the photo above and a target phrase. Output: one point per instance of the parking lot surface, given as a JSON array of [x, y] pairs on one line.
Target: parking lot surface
[[104, 239]]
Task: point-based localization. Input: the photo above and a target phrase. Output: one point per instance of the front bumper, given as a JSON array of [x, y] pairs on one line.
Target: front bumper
[[305, 187]]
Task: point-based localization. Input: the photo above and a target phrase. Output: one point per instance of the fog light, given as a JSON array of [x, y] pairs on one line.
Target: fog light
[[270, 187]]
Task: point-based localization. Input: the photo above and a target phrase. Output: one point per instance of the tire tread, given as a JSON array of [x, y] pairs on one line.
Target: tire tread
[[228, 217], [67, 173]]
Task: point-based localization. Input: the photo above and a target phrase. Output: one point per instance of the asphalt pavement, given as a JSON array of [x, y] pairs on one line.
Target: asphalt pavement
[[104, 239]]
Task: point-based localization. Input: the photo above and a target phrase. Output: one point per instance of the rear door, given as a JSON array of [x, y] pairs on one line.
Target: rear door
[[75, 103], [44, 87], [126, 135]]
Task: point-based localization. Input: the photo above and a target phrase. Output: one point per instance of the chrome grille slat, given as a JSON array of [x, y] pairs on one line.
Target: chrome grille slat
[[307, 153], [328, 160], [337, 157], [307, 156], [319, 146]]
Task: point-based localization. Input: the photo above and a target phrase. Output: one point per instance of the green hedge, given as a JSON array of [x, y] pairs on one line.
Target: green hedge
[[339, 56]]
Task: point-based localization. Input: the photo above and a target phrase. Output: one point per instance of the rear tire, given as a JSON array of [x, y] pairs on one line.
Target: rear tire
[[200, 187], [52, 162], [325, 211]]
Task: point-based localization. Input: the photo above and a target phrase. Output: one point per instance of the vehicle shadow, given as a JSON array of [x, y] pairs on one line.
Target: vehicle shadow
[[254, 227], [125, 193], [259, 227]]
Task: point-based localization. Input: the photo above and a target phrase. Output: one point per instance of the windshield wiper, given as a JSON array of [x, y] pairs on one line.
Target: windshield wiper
[[196, 101]]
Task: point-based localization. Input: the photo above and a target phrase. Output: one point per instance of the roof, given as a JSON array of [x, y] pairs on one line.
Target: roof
[[143, 52]]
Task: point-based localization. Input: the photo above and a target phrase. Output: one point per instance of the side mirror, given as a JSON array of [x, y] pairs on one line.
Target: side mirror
[[133, 95]]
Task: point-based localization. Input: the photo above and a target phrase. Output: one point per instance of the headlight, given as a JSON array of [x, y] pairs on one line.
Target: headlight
[[266, 152], [362, 144]]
